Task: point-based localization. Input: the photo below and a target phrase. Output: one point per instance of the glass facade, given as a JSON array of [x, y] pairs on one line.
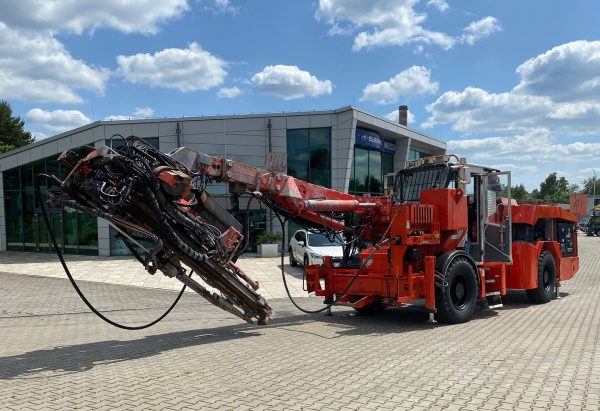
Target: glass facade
[[309, 155], [368, 169], [415, 155], [26, 229]]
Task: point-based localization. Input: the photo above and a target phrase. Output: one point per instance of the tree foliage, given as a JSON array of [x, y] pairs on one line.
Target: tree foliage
[[588, 185], [12, 131], [519, 192], [554, 189]]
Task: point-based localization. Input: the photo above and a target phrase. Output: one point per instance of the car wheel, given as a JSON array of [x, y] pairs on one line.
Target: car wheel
[[546, 280], [293, 261]]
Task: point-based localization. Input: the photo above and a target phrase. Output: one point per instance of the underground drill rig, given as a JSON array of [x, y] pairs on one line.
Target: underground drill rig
[[442, 234]]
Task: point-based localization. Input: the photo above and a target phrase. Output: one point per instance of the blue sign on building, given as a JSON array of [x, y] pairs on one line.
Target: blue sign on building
[[370, 139]]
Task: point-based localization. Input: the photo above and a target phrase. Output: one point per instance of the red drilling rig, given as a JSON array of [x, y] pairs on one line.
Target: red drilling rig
[[446, 232]]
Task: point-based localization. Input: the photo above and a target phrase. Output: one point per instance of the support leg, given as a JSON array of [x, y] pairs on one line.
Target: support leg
[[431, 319]]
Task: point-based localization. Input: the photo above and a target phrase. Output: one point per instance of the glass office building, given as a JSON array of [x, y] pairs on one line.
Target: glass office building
[[347, 149]]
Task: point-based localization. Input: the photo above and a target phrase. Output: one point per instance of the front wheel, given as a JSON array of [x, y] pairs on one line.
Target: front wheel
[[456, 292], [293, 261], [546, 277]]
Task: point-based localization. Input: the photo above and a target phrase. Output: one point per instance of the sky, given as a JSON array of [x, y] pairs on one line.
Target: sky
[[510, 84]]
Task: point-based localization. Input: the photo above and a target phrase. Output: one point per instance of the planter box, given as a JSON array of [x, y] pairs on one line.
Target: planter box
[[269, 250]]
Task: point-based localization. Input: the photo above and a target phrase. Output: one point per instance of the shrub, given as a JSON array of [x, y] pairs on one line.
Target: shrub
[[267, 237]]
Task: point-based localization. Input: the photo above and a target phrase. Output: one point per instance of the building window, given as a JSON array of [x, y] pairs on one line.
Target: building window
[[119, 142], [309, 155], [369, 167], [373, 159], [26, 229], [416, 155]]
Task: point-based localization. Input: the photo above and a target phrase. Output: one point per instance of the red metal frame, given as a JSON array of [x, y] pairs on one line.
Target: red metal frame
[[435, 225]]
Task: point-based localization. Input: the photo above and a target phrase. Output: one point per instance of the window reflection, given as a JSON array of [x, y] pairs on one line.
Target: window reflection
[[309, 155], [25, 225]]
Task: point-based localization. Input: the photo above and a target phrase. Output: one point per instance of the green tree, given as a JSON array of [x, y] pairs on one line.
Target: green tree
[[588, 185], [553, 189], [519, 192], [12, 132]]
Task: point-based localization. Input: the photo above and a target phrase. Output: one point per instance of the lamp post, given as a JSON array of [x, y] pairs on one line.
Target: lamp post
[[595, 181]]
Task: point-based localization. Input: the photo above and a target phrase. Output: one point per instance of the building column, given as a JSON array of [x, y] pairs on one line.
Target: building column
[[401, 155], [103, 237]]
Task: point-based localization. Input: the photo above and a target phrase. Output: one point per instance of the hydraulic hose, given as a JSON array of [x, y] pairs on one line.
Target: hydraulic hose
[[38, 195], [340, 296]]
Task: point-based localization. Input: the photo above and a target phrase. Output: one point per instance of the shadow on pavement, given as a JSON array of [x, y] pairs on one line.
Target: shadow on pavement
[[83, 357], [517, 299]]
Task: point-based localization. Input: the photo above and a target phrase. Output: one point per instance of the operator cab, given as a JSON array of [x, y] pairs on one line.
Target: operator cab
[[488, 237]]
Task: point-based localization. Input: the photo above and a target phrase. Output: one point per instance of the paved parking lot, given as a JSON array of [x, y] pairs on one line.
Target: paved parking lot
[[56, 355]]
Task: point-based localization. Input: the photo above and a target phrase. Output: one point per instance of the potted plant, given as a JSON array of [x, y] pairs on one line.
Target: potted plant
[[268, 243]]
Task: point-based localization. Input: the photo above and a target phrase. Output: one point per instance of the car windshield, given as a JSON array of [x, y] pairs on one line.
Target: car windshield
[[319, 240]]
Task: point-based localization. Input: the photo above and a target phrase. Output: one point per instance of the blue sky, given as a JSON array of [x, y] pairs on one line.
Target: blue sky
[[512, 84]]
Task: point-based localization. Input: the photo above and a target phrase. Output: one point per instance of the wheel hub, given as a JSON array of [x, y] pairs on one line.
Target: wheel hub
[[459, 292]]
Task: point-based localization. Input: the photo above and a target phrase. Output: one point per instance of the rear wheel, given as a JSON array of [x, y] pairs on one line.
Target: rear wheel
[[456, 294], [544, 292], [293, 261]]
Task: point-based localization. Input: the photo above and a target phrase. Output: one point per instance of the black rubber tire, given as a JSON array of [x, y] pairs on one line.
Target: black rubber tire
[[293, 261], [456, 296], [545, 291]]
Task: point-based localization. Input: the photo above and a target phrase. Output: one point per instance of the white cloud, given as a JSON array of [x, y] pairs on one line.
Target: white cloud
[[186, 70], [412, 81], [289, 82], [394, 116], [559, 90], [138, 113], [519, 168], [57, 121], [143, 112], [381, 22], [38, 68], [441, 5], [142, 16], [223, 6], [565, 73], [480, 29], [535, 145], [229, 92], [118, 117]]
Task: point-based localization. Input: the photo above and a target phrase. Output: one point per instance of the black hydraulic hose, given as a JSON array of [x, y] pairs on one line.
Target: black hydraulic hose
[[38, 195], [340, 296]]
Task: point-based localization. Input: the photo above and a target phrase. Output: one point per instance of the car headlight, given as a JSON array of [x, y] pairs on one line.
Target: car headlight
[[315, 255]]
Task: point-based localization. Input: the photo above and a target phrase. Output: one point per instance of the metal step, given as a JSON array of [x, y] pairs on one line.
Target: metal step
[[494, 300]]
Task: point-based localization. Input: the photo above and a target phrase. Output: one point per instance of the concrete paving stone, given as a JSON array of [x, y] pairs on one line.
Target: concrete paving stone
[[54, 354]]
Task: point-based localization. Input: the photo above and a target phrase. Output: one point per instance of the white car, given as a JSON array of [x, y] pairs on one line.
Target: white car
[[308, 248]]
